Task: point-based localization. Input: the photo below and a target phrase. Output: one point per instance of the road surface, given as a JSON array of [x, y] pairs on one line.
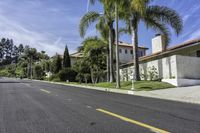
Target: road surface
[[36, 107]]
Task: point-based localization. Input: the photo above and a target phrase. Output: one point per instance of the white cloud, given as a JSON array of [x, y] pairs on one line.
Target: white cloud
[[195, 34], [191, 12], [13, 30]]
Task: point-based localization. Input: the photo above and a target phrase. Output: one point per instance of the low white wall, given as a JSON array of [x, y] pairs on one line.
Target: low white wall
[[165, 68], [182, 82], [177, 70], [188, 67]]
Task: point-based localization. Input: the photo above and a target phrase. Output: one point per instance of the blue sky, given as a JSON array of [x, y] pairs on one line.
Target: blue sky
[[51, 24]]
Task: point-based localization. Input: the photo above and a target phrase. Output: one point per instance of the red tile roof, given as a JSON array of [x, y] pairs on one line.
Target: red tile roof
[[123, 44]]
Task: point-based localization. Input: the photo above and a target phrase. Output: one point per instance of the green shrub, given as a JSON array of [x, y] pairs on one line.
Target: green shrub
[[67, 74], [54, 76], [38, 72], [4, 73], [56, 79], [8, 71]]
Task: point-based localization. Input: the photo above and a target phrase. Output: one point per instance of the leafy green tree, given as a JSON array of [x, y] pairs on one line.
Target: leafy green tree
[[57, 64], [38, 72], [30, 54], [42, 55], [82, 68], [66, 58], [94, 52]]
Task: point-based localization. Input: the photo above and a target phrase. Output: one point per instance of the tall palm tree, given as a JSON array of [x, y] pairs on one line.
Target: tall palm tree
[[157, 17], [105, 20]]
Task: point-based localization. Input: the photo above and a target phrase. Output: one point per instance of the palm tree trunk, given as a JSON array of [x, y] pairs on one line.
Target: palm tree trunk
[[92, 76], [134, 32], [108, 66], [117, 47], [111, 52]]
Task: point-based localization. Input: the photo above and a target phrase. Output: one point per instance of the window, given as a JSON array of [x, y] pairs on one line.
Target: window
[[120, 50], [131, 51], [198, 53], [141, 53], [126, 51]]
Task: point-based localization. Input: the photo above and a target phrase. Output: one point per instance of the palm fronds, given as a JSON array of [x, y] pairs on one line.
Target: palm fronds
[[86, 20]]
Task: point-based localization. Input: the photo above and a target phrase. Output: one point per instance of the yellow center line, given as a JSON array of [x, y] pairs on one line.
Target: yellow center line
[[45, 91], [154, 129]]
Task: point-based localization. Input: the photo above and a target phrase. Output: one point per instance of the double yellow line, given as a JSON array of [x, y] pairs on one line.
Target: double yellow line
[[153, 129]]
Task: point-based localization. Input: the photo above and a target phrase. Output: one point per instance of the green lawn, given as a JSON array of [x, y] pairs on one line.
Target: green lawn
[[139, 85]]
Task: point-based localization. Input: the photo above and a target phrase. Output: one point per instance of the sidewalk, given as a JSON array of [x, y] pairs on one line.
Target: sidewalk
[[182, 94]]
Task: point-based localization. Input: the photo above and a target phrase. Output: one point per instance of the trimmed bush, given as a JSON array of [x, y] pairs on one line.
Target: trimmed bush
[[67, 74]]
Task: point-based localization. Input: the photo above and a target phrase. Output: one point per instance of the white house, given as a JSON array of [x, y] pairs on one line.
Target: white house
[[75, 56], [125, 53], [178, 65]]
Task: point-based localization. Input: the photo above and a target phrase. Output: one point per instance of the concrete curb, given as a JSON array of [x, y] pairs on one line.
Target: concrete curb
[[129, 92]]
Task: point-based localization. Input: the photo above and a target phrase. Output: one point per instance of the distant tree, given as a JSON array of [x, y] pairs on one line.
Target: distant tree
[[6, 50], [21, 49], [42, 55], [31, 55], [9, 53], [66, 58], [15, 53], [2, 46]]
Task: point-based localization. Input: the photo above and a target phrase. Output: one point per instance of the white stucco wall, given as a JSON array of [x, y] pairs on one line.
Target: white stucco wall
[[176, 66], [127, 57], [188, 67], [166, 67], [182, 82], [177, 70]]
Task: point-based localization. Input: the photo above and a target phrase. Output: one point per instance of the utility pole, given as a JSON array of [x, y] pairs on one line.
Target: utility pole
[[117, 46]]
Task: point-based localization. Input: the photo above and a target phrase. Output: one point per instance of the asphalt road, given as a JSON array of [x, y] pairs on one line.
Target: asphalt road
[[36, 107]]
